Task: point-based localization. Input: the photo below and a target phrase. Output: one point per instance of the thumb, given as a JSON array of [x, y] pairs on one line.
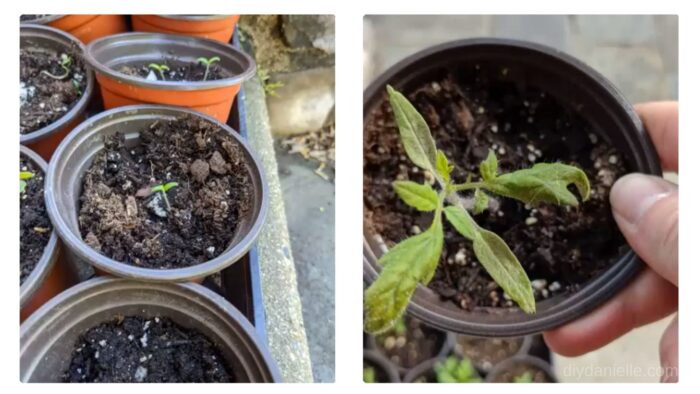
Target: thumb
[[646, 210]]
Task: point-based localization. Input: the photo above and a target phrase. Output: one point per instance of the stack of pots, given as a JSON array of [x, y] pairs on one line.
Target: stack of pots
[[47, 336]]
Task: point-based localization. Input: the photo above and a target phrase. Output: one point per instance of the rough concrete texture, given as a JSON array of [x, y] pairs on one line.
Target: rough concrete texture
[[639, 54], [316, 31], [310, 206], [285, 324], [304, 103]]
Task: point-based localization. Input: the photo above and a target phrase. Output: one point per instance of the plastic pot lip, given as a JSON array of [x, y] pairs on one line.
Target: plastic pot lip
[[378, 360], [536, 362], [198, 294], [195, 18], [205, 45], [85, 252], [44, 20], [593, 293], [28, 29], [49, 256]]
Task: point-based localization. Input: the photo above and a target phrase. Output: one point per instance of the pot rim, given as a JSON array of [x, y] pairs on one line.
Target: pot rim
[[195, 293], [48, 258], [379, 361], [157, 39], [80, 106], [592, 293], [194, 18], [87, 253], [44, 20], [533, 361]]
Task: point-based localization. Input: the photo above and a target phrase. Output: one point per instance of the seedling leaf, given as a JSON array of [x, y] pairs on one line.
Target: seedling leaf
[[481, 201], [443, 166], [422, 197], [26, 175], [489, 167], [415, 134]]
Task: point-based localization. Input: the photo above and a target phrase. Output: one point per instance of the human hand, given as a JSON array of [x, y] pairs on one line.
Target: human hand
[[646, 210]]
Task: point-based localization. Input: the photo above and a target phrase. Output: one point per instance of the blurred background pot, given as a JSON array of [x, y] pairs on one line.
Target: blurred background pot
[[86, 28], [384, 371], [508, 370], [214, 27]]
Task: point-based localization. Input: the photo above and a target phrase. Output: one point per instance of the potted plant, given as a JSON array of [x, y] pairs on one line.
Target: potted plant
[[376, 369], [409, 343], [156, 193], [193, 72], [117, 330], [85, 28], [445, 369], [42, 275], [55, 87], [487, 352], [506, 116], [522, 369], [214, 27]]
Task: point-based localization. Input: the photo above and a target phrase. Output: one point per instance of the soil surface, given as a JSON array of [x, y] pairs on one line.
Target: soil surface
[[484, 353], [135, 350], [123, 219], [178, 71], [538, 376], [411, 344], [34, 224], [43, 98], [561, 248]]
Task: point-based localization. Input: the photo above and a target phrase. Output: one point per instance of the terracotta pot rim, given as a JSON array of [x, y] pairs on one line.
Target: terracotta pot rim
[[90, 129], [194, 18], [48, 258], [79, 107], [204, 45]]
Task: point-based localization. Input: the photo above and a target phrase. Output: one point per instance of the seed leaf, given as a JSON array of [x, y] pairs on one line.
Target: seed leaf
[[422, 197], [543, 182], [500, 262], [481, 201], [409, 263], [22, 186], [461, 221], [489, 167], [415, 134], [443, 166], [26, 175]]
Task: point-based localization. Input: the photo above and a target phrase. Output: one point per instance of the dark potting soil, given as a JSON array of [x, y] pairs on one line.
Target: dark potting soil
[[135, 349], [179, 71], [518, 370], [34, 224], [410, 345], [561, 248], [486, 352], [123, 219], [43, 98]]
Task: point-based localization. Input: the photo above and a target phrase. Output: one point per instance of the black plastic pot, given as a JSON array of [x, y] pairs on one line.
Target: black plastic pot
[[75, 155], [572, 82], [380, 363], [45, 140], [521, 360], [47, 337]]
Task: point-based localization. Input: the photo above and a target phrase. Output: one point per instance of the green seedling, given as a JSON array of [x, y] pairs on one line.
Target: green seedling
[[454, 370], [65, 64], [414, 260], [207, 63], [23, 177], [524, 378], [160, 68], [270, 88], [368, 375], [163, 189]]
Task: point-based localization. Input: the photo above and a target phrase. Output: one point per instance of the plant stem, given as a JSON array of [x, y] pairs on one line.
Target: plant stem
[[58, 77], [467, 186], [165, 197], [206, 72]]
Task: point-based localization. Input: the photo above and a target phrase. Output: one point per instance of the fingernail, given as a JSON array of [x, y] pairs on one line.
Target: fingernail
[[633, 195]]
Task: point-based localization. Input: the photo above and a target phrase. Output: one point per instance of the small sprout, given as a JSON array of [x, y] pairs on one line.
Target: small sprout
[[207, 62], [65, 64], [526, 377], [160, 68], [76, 85], [454, 370], [41, 230], [269, 87], [23, 176], [368, 375], [163, 189]]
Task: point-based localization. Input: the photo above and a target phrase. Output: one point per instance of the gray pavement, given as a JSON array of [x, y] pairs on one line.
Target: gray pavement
[[639, 54]]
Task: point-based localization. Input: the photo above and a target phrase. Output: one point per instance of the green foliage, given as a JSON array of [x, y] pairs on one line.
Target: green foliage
[[270, 88], [454, 370], [415, 259], [526, 377], [207, 63], [23, 177], [369, 375], [160, 68], [65, 63]]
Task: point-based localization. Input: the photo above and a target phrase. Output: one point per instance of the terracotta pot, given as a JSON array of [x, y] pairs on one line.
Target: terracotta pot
[[212, 97], [45, 140], [48, 337], [86, 28], [214, 27], [50, 275], [73, 158]]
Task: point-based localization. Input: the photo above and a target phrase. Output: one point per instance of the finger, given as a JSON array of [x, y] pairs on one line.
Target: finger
[[647, 299], [646, 210], [668, 353], [661, 121]]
